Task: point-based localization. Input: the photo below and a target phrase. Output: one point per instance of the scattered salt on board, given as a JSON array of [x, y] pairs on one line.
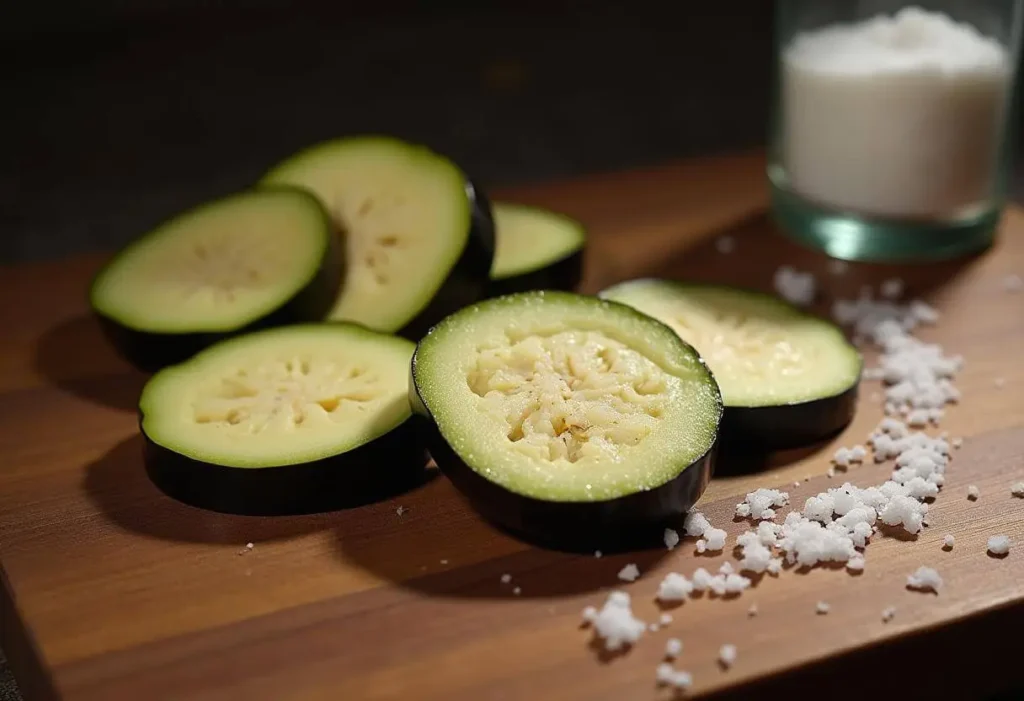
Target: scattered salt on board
[[629, 573], [615, 622], [999, 545], [925, 579], [727, 655]]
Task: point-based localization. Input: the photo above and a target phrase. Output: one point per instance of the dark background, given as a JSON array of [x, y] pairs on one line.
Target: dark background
[[118, 115], [115, 114]]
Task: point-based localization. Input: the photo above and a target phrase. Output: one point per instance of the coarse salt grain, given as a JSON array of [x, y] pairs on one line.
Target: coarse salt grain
[[888, 613], [665, 618], [973, 492], [727, 655], [1017, 489], [925, 579], [674, 587], [597, 553], [794, 286], [506, 578], [667, 676], [855, 564], [761, 504], [768, 533], [752, 611], [715, 538], [754, 545], [695, 524], [517, 591], [673, 646], [629, 573], [701, 546], [842, 457], [999, 545], [615, 623], [701, 579], [735, 583], [822, 608], [400, 510], [671, 538]]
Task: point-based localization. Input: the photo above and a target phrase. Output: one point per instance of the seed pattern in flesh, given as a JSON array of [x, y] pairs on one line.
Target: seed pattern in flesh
[[570, 396], [286, 393], [739, 344], [373, 251], [222, 266]]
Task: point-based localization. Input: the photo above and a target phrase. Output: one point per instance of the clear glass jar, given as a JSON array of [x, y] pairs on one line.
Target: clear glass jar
[[892, 134]]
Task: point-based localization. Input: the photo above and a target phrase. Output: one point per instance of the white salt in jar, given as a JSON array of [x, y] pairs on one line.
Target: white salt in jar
[[890, 134]]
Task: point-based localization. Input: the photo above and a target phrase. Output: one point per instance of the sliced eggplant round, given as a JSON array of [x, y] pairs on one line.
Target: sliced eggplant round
[[537, 249], [419, 235], [567, 419], [788, 378], [295, 419], [245, 262]]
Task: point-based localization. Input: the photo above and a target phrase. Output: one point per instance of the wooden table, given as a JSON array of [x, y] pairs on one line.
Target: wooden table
[[113, 591]]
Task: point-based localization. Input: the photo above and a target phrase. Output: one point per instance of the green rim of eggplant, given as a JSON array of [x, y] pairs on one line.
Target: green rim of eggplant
[[419, 235], [788, 378], [297, 419], [249, 261], [629, 449], [537, 249]]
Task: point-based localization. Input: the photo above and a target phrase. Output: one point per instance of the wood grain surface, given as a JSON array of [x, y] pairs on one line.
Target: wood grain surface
[[113, 591]]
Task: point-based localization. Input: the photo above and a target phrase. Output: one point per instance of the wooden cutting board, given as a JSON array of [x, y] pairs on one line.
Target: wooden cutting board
[[113, 591]]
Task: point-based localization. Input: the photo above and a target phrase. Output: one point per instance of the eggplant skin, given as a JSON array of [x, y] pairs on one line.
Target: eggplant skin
[[564, 274], [150, 351], [632, 521], [468, 280], [384, 467], [790, 425]]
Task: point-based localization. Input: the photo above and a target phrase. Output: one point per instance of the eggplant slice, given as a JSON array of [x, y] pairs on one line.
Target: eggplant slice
[[249, 261], [788, 378], [290, 420], [419, 235], [567, 419], [537, 249]]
